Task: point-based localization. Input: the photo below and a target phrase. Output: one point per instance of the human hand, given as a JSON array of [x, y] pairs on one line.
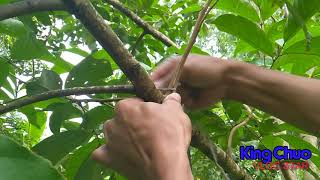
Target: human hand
[[202, 81], [147, 140]]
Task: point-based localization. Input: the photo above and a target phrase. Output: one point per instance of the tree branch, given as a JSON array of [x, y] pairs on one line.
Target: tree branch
[[235, 128], [94, 22], [66, 92], [29, 6], [145, 88], [201, 17], [212, 151], [95, 100], [140, 22]]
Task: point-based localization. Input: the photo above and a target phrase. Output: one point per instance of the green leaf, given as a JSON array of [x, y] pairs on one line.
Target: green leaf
[[35, 133], [28, 47], [31, 114], [239, 7], [60, 65], [267, 7], [271, 141], [19, 163], [90, 170], [303, 10], [300, 47], [298, 59], [60, 113], [77, 158], [191, 9], [4, 71], [89, 72], [49, 80], [299, 143], [58, 146], [97, 116], [245, 30], [233, 109], [12, 27]]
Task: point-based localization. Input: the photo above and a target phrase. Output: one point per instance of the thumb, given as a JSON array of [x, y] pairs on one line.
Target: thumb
[[173, 98], [101, 156]]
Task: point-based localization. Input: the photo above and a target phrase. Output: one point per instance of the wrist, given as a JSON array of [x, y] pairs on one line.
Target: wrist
[[171, 163], [233, 76]]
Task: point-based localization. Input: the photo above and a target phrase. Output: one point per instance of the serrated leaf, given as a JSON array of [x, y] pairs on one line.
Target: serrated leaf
[[303, 10], [245, 30], [89, 72], [19, 163], [97, 116], [58, 146]]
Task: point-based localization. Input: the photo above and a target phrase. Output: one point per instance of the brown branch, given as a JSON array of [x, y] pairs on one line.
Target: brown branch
[[95, 100], [235, 128], [4, 108], [202, 15], [140, 22], [203, 143], [94, 22], [29, 6]]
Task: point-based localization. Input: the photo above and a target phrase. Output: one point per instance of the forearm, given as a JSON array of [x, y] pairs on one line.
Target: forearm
[[291, 98]]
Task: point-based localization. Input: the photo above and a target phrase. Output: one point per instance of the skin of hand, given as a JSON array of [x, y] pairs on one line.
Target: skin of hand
[[202, 81], [206, 80], [147, 140]]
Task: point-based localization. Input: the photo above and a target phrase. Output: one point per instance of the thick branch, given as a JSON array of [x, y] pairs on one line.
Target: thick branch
[[66, 92], [94, 22], [29, 6], [140, 22], [213, 152]]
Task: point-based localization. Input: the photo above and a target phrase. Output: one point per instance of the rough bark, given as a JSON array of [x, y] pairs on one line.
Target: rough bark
[[212, 151], [4, 108], [29, 6], [94, 22]]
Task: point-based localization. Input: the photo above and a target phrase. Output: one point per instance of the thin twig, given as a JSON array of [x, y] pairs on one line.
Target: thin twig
[[235, 128], [140, 38], [66, 92], [205, 11], [95, 100]]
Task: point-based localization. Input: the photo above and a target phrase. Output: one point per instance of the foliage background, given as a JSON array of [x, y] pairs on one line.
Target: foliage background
[[51, 50]]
